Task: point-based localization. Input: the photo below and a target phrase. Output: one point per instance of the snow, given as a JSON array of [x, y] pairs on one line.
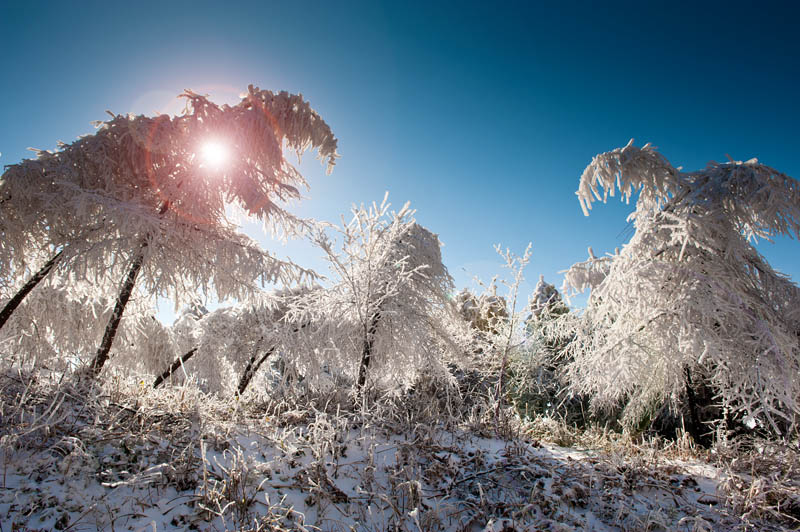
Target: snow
[[108, 466]]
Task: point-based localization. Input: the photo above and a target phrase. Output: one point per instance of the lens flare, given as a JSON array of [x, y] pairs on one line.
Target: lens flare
[[214, 154]]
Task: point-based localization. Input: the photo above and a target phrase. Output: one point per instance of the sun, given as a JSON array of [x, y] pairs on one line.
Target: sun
[[214, 154]]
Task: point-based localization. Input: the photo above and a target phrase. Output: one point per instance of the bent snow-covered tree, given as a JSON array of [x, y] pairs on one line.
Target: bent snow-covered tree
[[137, 201], [689, 297], [224, 349]]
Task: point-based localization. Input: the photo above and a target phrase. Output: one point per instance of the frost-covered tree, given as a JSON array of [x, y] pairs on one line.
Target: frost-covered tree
[[483, 312], [538, 382], [216, 345], [689, 298], [544, 349], [384, 318], [138, 201], [545, 302], [224, 349], [53, 327]]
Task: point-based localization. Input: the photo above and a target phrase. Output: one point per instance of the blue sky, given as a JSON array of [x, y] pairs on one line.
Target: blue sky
[[482, 115]]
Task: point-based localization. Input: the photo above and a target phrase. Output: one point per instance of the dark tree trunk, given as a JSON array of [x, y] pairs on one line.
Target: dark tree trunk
[[253, 364], [366, 353], [695, 427], [252, 367], [113, 324], [174, 367], [15, 301]]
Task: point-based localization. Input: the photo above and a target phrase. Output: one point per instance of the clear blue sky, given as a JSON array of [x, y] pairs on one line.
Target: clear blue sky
[[482, 115]]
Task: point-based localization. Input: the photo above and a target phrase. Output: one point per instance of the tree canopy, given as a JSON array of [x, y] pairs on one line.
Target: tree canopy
[[138, 197], [689, 291], [100, 195]]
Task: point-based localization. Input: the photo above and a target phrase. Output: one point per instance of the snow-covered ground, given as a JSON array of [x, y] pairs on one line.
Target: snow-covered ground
[[77, 459]]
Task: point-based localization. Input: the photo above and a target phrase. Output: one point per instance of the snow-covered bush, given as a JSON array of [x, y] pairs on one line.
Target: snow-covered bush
[[497, 330], [386, 319], [483, 312], [689, 299], [223, 350]]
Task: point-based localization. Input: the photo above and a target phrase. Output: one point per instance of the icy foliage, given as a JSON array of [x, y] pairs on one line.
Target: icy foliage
[[229, 341], [629, 169], [385, 320], [689, 291], [59, 325], [546, 301], [582, 276], [139, 183]]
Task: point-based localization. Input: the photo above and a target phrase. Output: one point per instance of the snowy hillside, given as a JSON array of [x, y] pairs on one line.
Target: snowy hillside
[[122, 458]]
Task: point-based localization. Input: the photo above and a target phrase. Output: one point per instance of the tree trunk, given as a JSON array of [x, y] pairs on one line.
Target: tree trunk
[[15, 301], [253, 365], [695, 427], [366, 353], [174, 367], [251, 369], [113, 324]]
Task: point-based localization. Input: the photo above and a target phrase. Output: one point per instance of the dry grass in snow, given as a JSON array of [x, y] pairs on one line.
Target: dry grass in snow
[[123, 457]]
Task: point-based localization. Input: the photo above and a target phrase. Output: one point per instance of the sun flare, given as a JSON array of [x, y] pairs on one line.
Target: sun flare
[[214, 154]]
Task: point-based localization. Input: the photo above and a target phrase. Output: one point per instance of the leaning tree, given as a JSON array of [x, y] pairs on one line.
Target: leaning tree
[[224, 349], [689, 298], [138, 200]]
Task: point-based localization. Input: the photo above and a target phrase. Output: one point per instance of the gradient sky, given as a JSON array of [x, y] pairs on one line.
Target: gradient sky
[[482, 115]]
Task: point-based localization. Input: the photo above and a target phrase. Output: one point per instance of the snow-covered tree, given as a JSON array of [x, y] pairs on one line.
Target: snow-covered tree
[[385, 317], [689, 298], [537, 369], [139, 199], [483, 312], [55, 326], [224, 349], [217, 344], [545, 302]]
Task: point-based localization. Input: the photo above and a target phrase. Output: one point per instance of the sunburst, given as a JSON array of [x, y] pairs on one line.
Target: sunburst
[[214, 154]]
